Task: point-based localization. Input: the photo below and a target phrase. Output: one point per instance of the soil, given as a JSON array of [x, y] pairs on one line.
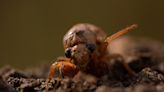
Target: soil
[[144, 56]]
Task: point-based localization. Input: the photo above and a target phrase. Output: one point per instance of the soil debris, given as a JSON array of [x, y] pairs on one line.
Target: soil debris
[[145, 59]]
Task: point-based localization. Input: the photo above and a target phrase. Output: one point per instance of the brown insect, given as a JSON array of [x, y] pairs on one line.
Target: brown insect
[[86, 50]]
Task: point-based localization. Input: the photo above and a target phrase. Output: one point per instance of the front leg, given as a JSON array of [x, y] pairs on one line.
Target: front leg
[[118, 65], [62, 67]]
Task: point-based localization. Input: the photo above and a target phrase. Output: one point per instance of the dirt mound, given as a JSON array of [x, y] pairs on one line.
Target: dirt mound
[[145, 59]]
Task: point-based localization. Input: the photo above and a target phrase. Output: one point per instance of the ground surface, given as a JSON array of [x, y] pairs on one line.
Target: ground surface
[[145, 57]]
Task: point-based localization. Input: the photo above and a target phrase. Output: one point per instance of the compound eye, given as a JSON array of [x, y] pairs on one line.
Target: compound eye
[[91, 47], [68, 53]]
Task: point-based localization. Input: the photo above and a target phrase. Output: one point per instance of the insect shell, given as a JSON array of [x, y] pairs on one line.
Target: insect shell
[[81, 42], [86, 50]]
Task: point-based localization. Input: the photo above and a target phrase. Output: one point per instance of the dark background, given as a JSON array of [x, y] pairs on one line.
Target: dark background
[[31, 31]]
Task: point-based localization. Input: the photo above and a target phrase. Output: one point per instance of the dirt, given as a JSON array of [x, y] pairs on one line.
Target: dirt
[[145, 59]]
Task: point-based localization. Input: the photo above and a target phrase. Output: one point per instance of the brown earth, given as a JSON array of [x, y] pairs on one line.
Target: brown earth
[[144, 56]]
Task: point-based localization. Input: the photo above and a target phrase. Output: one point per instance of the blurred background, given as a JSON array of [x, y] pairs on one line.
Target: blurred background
[[31, 31]]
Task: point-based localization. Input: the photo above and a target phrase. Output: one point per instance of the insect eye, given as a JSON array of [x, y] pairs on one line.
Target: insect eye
[[91, 47], [68, 52]]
